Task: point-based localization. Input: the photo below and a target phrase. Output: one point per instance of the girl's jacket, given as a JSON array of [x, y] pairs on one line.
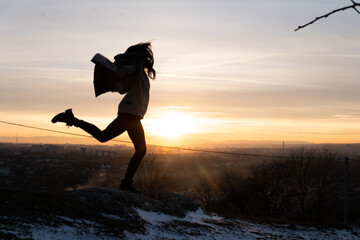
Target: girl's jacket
[[105, 79]]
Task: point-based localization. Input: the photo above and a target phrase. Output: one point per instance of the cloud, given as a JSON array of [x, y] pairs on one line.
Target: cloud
[[175, 107], [38, 69], [353, 116]]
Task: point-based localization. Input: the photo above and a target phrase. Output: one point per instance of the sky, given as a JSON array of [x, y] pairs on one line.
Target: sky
[[228, 71]]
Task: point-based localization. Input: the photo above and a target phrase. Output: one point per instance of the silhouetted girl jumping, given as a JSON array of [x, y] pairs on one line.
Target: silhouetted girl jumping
[[131, 76]]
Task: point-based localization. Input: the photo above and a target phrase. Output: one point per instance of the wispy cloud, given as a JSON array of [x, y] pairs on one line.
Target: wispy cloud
[[346, 116], [240, 79], [45, 69], [175, 107]]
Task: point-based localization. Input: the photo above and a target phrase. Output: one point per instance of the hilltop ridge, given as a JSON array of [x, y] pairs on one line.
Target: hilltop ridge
[[103, 213]]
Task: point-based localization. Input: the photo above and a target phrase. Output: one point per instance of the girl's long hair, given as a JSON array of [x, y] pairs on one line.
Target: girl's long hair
[[145, 50]]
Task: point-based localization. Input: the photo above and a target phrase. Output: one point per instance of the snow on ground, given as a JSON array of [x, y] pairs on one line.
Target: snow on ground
[[74, 230], [214, 227], [194, 226]]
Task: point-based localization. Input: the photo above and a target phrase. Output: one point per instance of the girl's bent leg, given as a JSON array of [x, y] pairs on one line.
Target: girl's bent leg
[[114, 129], [137, 136]]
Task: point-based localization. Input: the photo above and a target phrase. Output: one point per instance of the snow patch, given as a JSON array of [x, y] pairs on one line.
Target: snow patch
[[155, 217], [199, 216], [61, 232], [210, 226], [113, 217], [195, 217]]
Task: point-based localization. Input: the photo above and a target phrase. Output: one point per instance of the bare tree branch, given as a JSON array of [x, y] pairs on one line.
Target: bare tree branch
[[353, 6]]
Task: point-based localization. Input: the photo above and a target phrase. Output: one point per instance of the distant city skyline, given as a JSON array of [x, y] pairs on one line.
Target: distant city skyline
[[228, 71]]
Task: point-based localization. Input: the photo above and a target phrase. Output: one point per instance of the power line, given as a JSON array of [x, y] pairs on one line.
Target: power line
[[55, 131], [155, 145]]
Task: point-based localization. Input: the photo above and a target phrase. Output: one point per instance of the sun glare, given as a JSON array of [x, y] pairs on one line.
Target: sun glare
[[173, 124]]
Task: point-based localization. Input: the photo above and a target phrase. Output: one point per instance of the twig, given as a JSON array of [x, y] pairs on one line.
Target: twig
[[353, 6]]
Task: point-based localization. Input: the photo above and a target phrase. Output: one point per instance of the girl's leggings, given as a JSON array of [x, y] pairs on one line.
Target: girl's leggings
[[124, 122]]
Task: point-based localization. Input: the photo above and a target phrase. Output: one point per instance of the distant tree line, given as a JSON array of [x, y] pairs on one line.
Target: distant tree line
[[306, 186]]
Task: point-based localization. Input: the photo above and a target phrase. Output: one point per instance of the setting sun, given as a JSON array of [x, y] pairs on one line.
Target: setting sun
[[173, 124]]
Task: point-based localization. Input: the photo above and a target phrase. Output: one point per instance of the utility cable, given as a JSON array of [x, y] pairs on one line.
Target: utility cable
[[155, 145]]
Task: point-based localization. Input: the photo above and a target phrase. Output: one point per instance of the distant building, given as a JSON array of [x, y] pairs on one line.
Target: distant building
[[55, 149], [5, 171], [83, 150], [103, 153], [105, 165], [72, 148], [37, 148]]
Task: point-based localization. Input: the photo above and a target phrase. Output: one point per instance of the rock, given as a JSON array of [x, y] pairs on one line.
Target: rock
[[107, 209]]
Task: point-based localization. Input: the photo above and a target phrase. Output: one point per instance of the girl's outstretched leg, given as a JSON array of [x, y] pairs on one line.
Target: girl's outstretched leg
[[114, 129]]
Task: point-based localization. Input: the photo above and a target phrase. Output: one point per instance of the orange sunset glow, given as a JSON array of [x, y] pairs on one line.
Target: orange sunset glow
[[226, 71], [172, 124]]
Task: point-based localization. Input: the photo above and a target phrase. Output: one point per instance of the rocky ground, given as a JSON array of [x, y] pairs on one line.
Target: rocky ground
[[99, 213]]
